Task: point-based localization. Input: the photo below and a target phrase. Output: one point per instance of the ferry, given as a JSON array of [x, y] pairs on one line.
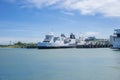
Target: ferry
[[115, 39], [62, 41]]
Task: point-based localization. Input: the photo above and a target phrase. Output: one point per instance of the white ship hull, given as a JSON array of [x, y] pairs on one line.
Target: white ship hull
[[54, 45]]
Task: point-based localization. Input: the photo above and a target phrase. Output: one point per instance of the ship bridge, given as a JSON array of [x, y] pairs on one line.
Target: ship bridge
[[117, 32]]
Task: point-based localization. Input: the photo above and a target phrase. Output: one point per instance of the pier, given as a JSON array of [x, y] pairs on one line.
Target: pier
[[94, 46], [98, 43]]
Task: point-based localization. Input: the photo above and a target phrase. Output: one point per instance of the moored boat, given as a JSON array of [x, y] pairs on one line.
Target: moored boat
[[51, 42]]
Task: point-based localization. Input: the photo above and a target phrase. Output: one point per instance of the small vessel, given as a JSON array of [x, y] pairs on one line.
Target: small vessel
[[51, 41], [115, 39]]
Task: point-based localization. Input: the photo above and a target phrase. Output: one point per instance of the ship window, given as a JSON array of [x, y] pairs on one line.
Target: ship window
[[47, 38], [56, 39], [46, 41], [118, 35]]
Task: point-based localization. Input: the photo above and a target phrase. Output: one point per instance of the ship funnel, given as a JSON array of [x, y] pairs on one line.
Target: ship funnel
[[72, 36]]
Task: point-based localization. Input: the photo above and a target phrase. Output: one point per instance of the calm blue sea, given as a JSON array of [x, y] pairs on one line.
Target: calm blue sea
[[59, 64]]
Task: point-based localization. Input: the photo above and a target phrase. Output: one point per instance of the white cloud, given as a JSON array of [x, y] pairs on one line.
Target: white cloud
[[85, 7], [40, 3]]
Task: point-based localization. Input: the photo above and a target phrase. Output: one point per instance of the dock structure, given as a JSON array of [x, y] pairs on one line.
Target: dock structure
[[98, 43]]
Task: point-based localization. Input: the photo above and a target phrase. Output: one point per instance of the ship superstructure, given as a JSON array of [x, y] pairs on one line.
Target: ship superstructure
[[61, 41], [115, 39]]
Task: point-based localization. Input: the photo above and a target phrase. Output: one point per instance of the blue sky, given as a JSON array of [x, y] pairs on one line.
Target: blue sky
[[30, 20]]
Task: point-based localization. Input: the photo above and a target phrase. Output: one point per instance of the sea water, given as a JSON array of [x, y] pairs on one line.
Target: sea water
[[59, 64]]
